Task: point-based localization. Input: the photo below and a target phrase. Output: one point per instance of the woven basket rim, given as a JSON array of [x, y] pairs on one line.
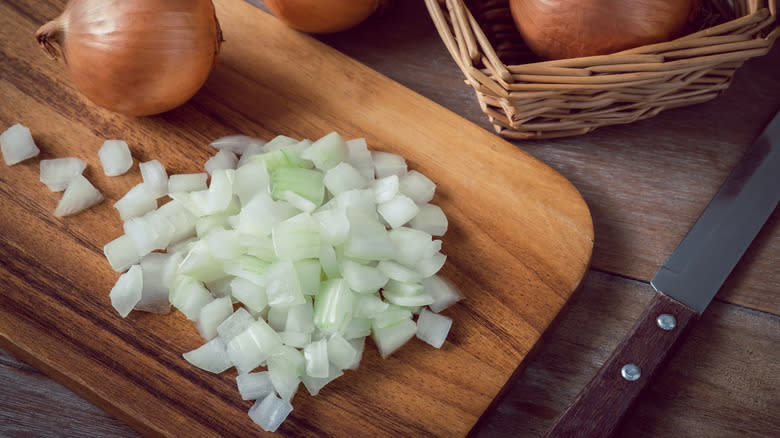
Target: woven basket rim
[[700, 64]]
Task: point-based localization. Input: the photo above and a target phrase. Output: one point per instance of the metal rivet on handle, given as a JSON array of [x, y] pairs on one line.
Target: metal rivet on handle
[[666, 321], [630, 372]]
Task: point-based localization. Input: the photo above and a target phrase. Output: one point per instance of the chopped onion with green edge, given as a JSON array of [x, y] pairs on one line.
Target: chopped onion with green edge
[[57, 173], [187, 182], [211, 356], [138, 201], [270, 412], [223, 159], [79, 196], [17, 144], [126, 292], [115, 157], [433, 327], [254, 386], [317, 245]]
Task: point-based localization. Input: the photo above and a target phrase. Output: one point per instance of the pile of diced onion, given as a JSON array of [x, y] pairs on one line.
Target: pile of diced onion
[[287, 255]]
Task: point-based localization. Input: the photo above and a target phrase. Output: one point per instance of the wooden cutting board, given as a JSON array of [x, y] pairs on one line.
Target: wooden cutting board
[[519, 242]]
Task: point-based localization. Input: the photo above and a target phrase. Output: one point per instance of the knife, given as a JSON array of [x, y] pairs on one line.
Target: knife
[[685, 285]]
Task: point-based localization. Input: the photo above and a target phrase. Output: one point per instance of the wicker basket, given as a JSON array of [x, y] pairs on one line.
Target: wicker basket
[[525, 98]]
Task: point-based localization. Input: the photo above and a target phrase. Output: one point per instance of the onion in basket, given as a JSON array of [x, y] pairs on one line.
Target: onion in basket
[[556, 29]]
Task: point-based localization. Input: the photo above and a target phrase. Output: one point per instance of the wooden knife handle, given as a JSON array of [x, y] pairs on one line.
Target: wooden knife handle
[[599, 407]]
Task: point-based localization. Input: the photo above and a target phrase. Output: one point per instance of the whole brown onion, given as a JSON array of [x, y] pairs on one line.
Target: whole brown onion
[[556, 29], [136, 57], [323, 16]]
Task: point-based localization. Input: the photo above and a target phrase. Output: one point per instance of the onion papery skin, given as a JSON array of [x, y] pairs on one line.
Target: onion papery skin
[[136, 57], [558, 29], [323, 16]]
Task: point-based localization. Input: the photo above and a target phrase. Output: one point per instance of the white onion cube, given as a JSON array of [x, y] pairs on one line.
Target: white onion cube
[[212, 315], [188, 182], [17, 144], [386, 164], [417, 186], [138, 201], [223, 159], [121, 253], [59, 172], [398, 211], [211, 356], [271, 412], [433, 328], [79, 195], [155, 177], [430, 219], [127, 291], [443, 293], [115, 157], [389, 339], [254, 386]]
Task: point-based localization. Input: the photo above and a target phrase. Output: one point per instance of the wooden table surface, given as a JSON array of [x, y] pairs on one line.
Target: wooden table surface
[[645, 184]]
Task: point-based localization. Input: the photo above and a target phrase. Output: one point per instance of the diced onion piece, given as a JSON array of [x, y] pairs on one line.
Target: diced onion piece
[[358, 328], [138, 201], [254, 386], [121, 253], [307, 183], [398, 211], [299, 318], [251, 179], [271, 412], [296, 238], [221, 160], [250, 348], [17, 144], [155, 177], [211, 356], [187, 182], [252, 149], [158, 269], [370, 305], [417, 186], [189, 296], [316, 356], [282, 285], [430, 219], [212, 315], [333, 306], [236, 144], [127, 291], [182, 220], [367, 238], [329, 261], [333, 225], [309, 274], [343, 177], [233, 325], [149, 232], [359, 344], [410, 244], [341, 352], [399, 272], [315, 384], [431, 264], [390, 317], [285, 367], [386, 164], [327, 152], [362, 278], [386, 188], [443, 293], [433, 328], [59, 172], [359, 157], [295, 339], [79, 195], [389, 339], [250, 294], [115, 157]]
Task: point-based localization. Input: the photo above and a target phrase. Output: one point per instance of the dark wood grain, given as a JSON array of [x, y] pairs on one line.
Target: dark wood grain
[[603, 402], [645, 184], [516, 254]]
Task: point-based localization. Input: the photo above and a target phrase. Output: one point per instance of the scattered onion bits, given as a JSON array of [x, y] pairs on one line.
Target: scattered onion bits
[[324, 16], [135, 57]]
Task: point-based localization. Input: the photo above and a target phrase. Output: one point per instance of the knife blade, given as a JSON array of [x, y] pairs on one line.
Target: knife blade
[[685, 285]]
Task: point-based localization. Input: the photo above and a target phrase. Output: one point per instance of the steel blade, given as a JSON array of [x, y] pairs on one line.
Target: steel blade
[[699, 266]]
